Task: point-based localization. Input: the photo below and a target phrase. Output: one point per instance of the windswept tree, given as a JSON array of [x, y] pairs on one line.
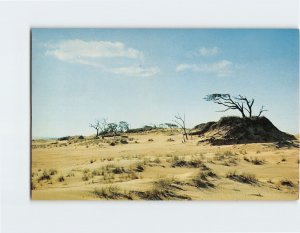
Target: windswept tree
[[180, 121], [171, 125], [239, 103], [123, 126], [227, 101]]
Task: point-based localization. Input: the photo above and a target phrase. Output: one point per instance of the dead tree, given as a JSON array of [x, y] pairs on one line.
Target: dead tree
[[180, 121], [261, 111], [227, 101], [99, 126], [249, 103], [96, 126]]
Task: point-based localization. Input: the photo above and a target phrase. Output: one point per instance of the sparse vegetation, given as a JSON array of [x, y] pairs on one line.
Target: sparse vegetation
[[201, 180], [163, 189], [242, 178], [255, 161], [111, 192], [180, 162]]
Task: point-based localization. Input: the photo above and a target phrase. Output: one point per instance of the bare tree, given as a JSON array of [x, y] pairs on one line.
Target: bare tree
[[261, 111], [99, 126], [180, 121], [96, 126], [248, 102], [227, 101]]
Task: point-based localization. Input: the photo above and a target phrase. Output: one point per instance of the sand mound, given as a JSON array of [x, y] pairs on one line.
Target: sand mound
[[236, 130]]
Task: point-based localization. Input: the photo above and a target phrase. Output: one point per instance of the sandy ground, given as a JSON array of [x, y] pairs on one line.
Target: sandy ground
[[158, 165]]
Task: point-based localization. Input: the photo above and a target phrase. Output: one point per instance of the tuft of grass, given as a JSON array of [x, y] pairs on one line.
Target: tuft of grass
[[170, 140], [139, 167], [242, 178], [163, 189], [61, 179], [118, 170], [112, 144], [92, 160], [157, 160], [255, 161], [86, 170], [287, 183], [180, 162], [45, 176], [201, 180], [150, 140], [85, 177], [98, 172], [124, 141], [52, 171], [70, 174], [111, 192]]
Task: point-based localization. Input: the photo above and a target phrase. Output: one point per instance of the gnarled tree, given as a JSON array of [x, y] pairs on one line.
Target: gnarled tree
[[240, 103]]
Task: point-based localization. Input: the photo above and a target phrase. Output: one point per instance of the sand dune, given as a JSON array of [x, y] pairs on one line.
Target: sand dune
[[158, 166]]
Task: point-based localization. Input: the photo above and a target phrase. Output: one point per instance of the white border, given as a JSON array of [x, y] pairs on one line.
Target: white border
[[20, 214]]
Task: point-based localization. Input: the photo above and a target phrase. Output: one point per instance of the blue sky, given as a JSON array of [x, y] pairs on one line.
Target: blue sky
[[146, 76]]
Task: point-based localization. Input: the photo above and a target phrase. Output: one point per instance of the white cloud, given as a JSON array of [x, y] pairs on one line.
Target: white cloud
[[97, 53], [70, 50], [136, 71], [221, 68], [204, 51]]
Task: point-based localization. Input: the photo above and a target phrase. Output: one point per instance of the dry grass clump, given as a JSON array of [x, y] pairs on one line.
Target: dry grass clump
[[163, 189], [61, 179], [111, 192], [92, 160], [170, 140], [180, 162], [150, 140], [52, 171], [242, 178], [287, 183], [86, 177], [139, 167], [45, 176], [201, 180], [255, 161], [70, 174]]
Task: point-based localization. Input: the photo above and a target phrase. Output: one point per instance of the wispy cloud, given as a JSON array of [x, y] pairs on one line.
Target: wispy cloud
[[96, 54], [221, 68], [205, 51], [136, 71]]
